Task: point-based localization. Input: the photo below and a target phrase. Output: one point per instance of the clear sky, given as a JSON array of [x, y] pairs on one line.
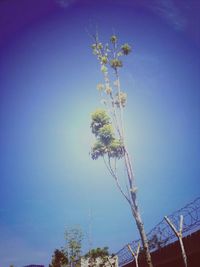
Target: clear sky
[[48, 79]]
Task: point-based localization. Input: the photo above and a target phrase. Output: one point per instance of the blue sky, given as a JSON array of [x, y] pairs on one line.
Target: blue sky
[[48, 90]]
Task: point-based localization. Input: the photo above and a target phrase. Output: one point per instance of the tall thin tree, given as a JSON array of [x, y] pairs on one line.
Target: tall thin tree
[[108, 125], [73, 237]]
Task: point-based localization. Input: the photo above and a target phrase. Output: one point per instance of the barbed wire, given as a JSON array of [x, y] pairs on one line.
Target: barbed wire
[[162, 235]]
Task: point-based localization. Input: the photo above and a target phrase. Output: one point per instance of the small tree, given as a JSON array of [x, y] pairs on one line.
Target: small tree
[[73, 237], [108, 125], [99, 253], [59, 258]]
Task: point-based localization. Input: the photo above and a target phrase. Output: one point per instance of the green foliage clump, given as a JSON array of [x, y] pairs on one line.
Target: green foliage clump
[[97, 253], [113, 39], [110, 53], [104, 60], [104, 68], [126, 49], [98, 150], [116, 149], [99, 119], [59, 258], [99, 46], [106, 143], [106, 134], [116, 63]]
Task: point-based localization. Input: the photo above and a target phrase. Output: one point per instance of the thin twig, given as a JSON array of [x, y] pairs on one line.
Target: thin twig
[[114, 175]]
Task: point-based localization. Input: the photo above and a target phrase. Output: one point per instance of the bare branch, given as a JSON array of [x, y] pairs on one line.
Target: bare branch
[[120, 105], [114, 175], [128, 192], [115, 165], [138, 248], [172, 226], [179, 235], [107, 166], [132, 252], [181, 225], [135, 254]]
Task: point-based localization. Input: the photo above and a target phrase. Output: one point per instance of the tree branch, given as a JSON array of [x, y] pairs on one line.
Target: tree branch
[[114, 175], [172, 226], [181, 225]]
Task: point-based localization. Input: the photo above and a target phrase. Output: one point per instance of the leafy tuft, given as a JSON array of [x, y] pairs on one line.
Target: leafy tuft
[[116, 63], [106, 134], [99, 119], [126, 49]]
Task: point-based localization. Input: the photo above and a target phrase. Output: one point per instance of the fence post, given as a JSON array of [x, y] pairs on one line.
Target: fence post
[[179, 235], [135, 254]]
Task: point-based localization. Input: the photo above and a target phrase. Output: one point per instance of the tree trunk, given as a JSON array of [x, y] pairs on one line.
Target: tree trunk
[[143, 236], [183, 251], [136, 261], [135, 210]]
